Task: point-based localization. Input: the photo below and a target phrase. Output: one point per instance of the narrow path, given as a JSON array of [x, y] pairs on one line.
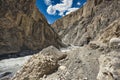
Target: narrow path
[[80, 64]]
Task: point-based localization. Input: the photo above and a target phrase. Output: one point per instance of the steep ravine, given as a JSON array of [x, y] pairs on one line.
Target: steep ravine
[[95, 30], [23, 31]]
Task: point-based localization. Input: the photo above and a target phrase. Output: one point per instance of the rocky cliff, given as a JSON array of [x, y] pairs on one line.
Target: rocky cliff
[[67, 21], [95, 24], [23, 27], [89, 22]]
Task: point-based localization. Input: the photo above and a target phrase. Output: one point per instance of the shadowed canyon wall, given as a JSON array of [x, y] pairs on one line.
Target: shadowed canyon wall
[[23, 27]]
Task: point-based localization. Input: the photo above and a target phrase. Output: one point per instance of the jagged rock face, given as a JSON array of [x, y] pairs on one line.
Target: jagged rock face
[[22, 26], [113, 30], [89, 21], [65, 22], [43, 63], [109, 67]]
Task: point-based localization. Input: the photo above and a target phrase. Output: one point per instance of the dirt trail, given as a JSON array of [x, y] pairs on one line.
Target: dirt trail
[[80, 64]]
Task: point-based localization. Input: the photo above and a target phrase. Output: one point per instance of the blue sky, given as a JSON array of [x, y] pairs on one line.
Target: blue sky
[[55, 9]]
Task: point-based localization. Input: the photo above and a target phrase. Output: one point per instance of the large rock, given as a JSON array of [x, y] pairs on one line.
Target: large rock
[[109, 66], [22, 26], [114, 43], [81, 63], [43, 63], [89, 22]]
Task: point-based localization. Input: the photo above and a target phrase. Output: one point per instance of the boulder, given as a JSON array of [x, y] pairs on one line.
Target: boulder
[[43, 63], [94, 45], [114, 43]]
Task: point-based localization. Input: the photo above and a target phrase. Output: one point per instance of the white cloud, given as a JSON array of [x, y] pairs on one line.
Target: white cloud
[[78, 3], [47, 2], [61, 7], [51, 10], [61, 13], [71, 10]]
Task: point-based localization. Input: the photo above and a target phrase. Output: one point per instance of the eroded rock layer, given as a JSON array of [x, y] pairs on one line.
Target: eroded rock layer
[[23, 27], [89, 22], [43, 63], [109, 66]]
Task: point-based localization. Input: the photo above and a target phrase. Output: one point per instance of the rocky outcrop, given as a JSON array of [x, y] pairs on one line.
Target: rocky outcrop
[[23, 27], [89, 22], [109, 67], [114, 43], [41, 64], [112, 31]]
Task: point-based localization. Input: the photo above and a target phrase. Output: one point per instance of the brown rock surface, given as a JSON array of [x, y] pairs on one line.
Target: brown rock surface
[[113, 30], [109, 66], [41, 64], [81, 63], [63, 23], [22, 26]]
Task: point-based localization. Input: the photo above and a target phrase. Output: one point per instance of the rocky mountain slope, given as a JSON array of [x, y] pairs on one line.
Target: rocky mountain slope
[[23, 27], [95, 29], [89, 22], [113, 30]]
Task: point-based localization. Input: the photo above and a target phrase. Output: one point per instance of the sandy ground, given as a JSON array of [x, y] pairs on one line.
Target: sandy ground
[[80, 64]]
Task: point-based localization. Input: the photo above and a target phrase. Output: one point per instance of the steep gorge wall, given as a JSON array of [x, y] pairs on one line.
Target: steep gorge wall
[[89, 22], [23, 27], [68, 20], [96, 61]]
